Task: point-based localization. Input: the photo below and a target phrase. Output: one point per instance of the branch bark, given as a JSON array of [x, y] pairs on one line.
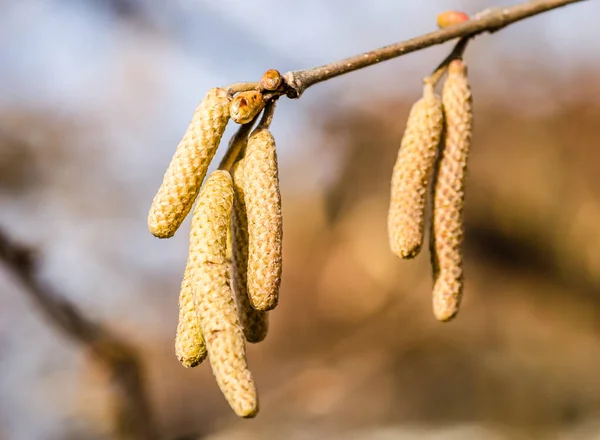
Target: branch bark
[[490, 20], [133, 414]]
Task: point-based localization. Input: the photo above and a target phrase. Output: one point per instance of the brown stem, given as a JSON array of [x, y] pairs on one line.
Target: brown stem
[[440, 70], [488, 21], [267, 116], [237, 145], [232, 89], [134, 418]]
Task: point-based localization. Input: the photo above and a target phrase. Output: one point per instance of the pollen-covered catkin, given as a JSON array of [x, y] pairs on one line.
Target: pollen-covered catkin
[[188, 167], [449, 192], [190, 347], [412, 173], [214, 300], [265, 230], [254, 322], [245, 106]]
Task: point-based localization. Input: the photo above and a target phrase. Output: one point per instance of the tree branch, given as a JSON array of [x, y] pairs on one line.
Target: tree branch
[[490, 20], [133, 414]]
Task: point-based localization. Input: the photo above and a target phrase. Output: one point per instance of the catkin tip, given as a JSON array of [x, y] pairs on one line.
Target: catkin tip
[[445, 304], [190, 347], [445, 315], [159, 232]]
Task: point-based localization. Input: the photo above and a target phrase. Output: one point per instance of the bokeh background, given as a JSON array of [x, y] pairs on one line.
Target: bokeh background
[[94, 97]]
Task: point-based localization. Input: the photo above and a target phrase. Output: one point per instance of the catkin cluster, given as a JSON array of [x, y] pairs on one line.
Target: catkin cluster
[[432, 162], [234, 265]]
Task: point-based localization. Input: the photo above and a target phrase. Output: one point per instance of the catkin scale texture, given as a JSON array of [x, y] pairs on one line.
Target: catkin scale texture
[[188, 166], [214, 300], [190, 347], [412, 173], [449, 192], [265, 230], [254, 322]]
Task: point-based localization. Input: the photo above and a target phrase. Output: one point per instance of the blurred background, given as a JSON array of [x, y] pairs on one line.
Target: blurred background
[[96, 94]]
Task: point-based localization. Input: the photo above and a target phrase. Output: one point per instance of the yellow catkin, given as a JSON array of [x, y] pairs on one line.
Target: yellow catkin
[[190, 347], [412, 173], [449, 192], [265, 230], [214, 300], [254, 322], [245, 106], [188, 167]]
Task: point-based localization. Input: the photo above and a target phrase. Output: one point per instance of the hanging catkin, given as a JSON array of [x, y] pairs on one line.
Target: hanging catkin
[[188, 167], [412, 174], [214, 300], [449, 192], [254, 322], [263, 208], [190, 347]]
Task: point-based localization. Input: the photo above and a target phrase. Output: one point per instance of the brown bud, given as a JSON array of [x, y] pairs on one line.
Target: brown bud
[[188, 167], [449, 18], [271, 80], [254, 322], [190, 347], [214, 299], [245, 106], [412, 174], [265, 229], [449, 192]]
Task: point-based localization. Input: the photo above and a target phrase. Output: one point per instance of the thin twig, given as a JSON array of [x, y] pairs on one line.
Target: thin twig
[[489, 21], [267, 116], [440, 70], [237, 145], [232, 89], [134, 418]]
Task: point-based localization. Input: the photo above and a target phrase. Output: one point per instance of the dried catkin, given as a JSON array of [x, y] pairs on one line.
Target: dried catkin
[[265, 230], [449, 192], [245, 106], [214, 300], [190, 347], [188, 167], [254, 322], [412, 173]]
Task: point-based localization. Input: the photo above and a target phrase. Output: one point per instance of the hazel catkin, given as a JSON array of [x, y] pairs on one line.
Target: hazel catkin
[[190, 347], [188, 167], [412, 173], [265, 230], [254, 322], [214, 300], [449, 193]]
